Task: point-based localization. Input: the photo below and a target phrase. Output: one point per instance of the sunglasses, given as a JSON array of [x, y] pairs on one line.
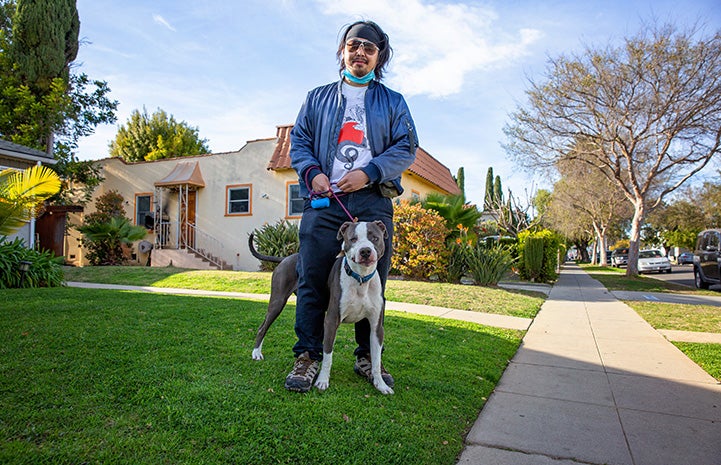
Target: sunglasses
[[369, 47]]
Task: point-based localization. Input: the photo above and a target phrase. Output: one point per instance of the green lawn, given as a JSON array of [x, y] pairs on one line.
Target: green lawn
[[474, 298], [707, 356], [681, 317], [615, 279], [112, 377]]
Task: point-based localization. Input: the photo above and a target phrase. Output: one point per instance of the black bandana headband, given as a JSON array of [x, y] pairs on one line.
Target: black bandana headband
[[364, 31]]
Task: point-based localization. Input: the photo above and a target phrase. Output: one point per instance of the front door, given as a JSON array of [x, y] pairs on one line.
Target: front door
[[188, 226]]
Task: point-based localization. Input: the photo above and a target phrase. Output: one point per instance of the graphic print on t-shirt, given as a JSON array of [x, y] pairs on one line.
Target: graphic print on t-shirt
[[352, 137], [353, 150]]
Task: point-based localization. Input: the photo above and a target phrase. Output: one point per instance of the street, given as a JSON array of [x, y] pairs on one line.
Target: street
[[680, 274]]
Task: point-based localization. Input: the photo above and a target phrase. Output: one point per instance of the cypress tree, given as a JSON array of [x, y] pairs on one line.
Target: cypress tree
[[488, 199], [497, 192], [45, 40], [461, 182]]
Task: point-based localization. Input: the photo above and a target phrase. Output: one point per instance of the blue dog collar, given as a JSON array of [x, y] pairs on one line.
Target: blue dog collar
[[354, 275]]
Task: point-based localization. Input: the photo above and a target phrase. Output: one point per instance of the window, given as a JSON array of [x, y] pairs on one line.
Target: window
[[713, 241], [295, 201], [415, 196], [144, 210], [238, 200]]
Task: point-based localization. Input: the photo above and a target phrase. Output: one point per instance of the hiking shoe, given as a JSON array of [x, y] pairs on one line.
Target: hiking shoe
[[362, 368], [301, 378]]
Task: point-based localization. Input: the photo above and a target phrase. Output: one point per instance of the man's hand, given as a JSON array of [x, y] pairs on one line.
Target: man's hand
[[352, 181], [321, 184]]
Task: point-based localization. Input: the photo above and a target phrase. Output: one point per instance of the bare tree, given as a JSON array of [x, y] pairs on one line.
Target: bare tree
[[648, 112], [586, 199]]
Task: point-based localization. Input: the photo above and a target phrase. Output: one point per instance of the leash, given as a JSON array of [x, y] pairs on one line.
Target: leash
[[323, 202], [352, 218]]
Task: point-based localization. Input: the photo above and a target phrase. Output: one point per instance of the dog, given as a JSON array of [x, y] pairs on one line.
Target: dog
[[355, 293]]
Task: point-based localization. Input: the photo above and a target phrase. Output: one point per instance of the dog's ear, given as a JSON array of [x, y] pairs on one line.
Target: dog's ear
[[342, 230], [382, 227]]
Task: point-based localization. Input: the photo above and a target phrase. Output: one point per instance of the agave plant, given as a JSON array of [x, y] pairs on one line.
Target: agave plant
[[21, 192]]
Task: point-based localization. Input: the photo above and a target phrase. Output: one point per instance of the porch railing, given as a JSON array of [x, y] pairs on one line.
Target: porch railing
[[173, 235]]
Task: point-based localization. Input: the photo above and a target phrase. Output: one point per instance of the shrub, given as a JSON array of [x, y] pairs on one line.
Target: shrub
[[457, 261], [419, 242], [533, 257], [552, 244], [107, 229], [105, 241], [488, 264], [277, 240], [45, 269]]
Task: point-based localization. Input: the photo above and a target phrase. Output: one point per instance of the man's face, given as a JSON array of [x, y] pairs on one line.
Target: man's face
[[359, 62]]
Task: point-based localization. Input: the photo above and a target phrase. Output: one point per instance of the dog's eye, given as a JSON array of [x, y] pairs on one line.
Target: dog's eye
[[374, 238], [353, 240]]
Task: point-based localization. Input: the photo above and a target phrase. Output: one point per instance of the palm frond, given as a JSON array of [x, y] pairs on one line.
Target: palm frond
[[20, 191], [34, 184]]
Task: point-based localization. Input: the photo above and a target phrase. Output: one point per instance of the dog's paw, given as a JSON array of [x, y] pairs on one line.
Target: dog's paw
[[257, 354], [322, 384], [383, 388]]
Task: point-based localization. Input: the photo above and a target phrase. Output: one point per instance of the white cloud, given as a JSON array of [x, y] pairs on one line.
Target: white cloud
[[437, 46], [163, 22]]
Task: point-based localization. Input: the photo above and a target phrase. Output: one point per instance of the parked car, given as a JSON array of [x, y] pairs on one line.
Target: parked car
[[653, 260], [619, 257], [685, 258], [706, 267]]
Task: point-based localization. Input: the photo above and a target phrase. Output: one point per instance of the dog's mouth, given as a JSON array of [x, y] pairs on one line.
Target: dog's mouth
[[365, 261]]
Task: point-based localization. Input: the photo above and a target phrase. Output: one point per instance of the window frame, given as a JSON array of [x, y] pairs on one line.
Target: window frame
[[150, 212], [231, 187], [289, 200]]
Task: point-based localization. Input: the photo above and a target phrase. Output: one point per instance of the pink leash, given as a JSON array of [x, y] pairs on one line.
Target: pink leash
[[352, 218]]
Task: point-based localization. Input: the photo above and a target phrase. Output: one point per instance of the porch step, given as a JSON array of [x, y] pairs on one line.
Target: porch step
[[181, 259]]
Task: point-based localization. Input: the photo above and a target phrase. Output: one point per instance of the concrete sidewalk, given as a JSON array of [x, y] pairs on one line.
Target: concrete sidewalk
[[594, 383]]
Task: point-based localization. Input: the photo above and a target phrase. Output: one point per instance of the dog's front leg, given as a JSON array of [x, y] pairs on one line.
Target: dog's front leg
[[330, 328], [376, 341]]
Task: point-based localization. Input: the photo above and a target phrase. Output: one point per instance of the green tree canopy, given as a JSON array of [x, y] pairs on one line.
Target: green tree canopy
[[156, 136], [45, 40], [42, 104]]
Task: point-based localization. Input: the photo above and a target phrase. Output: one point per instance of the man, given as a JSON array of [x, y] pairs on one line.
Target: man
[[354, 137]]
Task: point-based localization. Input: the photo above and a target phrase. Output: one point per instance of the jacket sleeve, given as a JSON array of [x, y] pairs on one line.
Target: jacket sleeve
[[302, 152], [400, 147]]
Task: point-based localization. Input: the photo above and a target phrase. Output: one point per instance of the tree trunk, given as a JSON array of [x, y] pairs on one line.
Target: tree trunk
[[639, 212]]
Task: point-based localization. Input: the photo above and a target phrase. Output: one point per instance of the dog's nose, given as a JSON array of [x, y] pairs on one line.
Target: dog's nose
[[365, 252]]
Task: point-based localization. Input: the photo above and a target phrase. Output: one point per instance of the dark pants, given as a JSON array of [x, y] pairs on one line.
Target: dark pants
[[319, 248]]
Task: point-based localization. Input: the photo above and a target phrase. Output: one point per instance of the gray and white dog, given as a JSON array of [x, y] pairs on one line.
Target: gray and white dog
[[355, 293]]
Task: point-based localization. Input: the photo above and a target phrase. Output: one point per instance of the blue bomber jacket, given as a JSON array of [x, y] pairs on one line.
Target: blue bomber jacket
[[389, 128]]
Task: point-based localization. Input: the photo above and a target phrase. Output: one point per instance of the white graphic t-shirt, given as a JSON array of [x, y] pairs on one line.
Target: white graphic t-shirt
[[353, 149]]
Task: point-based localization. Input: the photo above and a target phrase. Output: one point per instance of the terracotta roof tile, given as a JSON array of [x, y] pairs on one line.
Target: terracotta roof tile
[[424, 166]]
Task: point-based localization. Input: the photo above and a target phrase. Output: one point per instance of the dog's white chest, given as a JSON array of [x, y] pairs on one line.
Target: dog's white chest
[[359, 301]]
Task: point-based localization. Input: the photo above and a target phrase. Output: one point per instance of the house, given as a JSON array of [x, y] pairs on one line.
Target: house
[[48, 230], [200, 210]]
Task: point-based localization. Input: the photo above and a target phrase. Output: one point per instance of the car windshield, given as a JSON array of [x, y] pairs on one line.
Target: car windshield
[[649, 254]]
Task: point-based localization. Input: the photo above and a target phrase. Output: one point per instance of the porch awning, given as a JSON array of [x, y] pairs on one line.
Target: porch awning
[[184, 173]]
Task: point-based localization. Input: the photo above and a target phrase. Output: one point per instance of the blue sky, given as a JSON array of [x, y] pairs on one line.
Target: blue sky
[[237, 69]]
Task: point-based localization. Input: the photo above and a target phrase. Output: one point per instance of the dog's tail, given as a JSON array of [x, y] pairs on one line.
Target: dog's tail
[[260, 256]]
